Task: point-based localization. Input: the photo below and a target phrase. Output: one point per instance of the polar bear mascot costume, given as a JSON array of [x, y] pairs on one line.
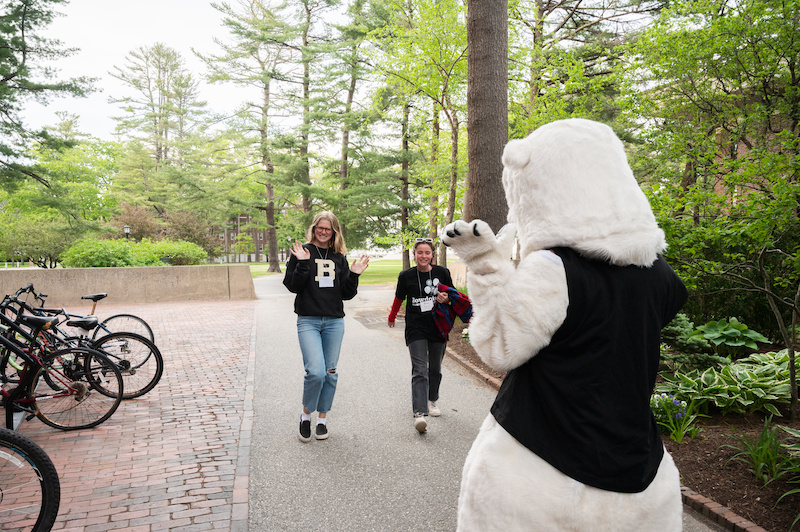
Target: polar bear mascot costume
[[571, 443]]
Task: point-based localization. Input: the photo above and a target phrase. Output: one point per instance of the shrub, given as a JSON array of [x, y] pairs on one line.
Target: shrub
[[678, 335], [92, 253], [176, 253], [684, 362]]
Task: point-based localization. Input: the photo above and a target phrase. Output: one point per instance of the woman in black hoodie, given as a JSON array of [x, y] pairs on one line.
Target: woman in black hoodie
[[319, 274]]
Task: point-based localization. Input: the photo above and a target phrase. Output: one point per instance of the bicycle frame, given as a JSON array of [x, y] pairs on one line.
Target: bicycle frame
[[21, 396]]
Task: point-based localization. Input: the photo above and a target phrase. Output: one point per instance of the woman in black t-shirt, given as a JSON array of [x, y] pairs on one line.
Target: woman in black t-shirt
[[418, 287]]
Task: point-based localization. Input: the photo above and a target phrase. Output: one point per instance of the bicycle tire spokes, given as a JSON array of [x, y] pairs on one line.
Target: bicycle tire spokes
[[19, 482], [138, 359], [81, 389]]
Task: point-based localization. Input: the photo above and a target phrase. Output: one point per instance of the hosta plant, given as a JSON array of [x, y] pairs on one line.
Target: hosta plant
[[729, 337], [756, 383]]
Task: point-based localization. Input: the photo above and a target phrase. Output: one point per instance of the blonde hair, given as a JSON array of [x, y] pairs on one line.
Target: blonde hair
[[337, 244]]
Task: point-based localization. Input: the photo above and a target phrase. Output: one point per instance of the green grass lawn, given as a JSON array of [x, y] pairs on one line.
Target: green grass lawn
[[380, 271]]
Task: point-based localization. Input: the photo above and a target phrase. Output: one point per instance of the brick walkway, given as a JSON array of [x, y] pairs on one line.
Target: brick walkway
[[178, 457]]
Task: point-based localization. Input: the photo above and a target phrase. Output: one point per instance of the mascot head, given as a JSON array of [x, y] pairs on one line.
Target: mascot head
[[569, 184]]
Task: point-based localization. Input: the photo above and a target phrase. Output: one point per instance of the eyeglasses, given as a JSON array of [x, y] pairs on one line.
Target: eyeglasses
[[323, 229], [418, 240]]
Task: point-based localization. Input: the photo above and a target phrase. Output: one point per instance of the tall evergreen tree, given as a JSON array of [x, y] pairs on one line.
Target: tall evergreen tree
[[256, 58], [26, 75], [425, 47], [561, 58], [166, 100], [312, 33]]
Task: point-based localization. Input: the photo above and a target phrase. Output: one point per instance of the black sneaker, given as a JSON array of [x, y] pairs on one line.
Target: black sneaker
[[305, 431], [322, 431]]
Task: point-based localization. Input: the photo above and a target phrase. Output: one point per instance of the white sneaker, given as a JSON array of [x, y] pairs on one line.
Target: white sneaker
[[420, 423], [433, 410]]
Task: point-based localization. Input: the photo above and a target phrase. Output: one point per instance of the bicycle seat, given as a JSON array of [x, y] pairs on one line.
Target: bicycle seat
[[88, 323], [95, 297], [37, 322]]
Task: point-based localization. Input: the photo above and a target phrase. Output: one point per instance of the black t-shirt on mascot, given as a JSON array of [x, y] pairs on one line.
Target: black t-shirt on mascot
[[421, 287], [583, 402]]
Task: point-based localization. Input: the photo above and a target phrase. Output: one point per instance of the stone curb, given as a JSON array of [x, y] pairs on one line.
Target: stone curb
[[703, 505], [717, 513]]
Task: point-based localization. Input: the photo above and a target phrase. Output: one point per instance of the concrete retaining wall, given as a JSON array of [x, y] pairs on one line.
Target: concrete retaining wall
[[157, 284]]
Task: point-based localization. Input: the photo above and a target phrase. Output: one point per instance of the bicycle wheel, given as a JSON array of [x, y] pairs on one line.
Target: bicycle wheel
[[82, 389], [29, 485], [124, 323], [137, 358]]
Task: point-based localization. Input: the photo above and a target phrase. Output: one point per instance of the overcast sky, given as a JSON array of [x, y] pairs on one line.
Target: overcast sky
[[105, 31]]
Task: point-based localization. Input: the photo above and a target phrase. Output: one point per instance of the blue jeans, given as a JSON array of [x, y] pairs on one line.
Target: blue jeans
[[426, 373], [320, 341]]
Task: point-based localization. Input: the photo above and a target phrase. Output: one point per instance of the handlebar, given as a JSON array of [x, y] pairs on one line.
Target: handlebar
[[28, 288]]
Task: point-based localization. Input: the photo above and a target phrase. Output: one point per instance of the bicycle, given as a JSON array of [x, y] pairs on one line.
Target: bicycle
[[140, 362], [138, 359], [115, 323], [31, 492], [118, 322], [68, 389]]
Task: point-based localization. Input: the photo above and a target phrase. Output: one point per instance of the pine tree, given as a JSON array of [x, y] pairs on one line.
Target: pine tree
[[24, 76]]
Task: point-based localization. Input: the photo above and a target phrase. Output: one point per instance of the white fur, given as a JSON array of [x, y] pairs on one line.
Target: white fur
[[567, 184], [517, 316], [506, 487]]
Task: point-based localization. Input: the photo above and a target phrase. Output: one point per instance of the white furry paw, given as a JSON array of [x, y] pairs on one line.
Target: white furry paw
[[476, 244]]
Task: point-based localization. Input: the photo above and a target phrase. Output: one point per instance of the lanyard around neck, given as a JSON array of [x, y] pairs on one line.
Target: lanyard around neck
[[320, 254], [419, 281]]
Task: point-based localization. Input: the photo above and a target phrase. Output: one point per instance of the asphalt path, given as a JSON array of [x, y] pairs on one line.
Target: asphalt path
[[374, 472]]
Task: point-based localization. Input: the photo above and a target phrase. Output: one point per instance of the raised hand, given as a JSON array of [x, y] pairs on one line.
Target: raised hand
[[299, 251], [476, 244], [360, 265]]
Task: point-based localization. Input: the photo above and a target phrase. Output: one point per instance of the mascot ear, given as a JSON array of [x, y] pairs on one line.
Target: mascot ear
[[516, 154]]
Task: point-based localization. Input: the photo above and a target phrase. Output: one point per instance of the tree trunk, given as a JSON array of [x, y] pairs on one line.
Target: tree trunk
[[351, 90], [272, 233], [404, 190], [487, 110], [433, 215], [306, 126], [451, 195]]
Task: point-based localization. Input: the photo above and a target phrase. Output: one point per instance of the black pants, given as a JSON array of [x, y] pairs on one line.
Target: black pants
[[426, 373]]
